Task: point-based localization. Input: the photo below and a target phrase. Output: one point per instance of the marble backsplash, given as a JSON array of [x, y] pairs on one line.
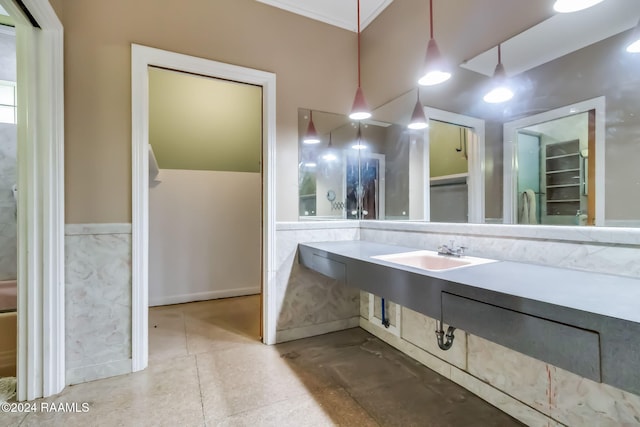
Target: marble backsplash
[[603, 250], [98, 301], [8, 177], [308, 303]]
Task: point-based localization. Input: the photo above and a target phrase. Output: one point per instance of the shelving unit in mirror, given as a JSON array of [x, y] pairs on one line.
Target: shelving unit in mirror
[[563, 178]]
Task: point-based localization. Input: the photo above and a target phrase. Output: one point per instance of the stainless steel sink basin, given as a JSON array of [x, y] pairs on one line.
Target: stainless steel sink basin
[[430, 260]]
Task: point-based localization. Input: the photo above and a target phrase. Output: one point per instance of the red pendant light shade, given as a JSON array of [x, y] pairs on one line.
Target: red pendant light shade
[[500, 92], [360, 109], [436, 69], [418, 119], [311, 136]]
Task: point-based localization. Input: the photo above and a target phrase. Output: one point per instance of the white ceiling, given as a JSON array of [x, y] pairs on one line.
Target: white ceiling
[[341, 13], [557, 36]]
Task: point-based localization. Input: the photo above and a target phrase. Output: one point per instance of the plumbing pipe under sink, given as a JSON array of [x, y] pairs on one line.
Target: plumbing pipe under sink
[[385, 322]]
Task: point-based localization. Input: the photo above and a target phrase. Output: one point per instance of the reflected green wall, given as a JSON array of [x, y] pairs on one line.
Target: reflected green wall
[[201, 123], [444, 160]]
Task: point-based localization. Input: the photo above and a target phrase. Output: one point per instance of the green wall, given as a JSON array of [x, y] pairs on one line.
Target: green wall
[[444, 160], [201, 123]]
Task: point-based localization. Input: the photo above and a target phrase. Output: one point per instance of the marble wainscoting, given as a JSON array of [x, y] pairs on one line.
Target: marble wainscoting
[[535, 392], [308, 303], [98, 301]]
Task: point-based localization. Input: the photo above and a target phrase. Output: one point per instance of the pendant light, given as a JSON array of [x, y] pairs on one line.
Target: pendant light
[[634, 46], [436, 70], [311, 136], [418, 119], [360, 109], [501, 92], [359, 145], [568, 6], [329, 154]]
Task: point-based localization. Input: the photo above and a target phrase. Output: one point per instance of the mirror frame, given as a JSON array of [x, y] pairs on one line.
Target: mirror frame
[[510, 183]]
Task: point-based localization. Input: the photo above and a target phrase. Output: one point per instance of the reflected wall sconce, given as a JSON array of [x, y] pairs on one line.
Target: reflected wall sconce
[[360, 109], [568, 6], [634, 46], [359, 145], [436, 70], [311, 136], [418, 119], [501, 92]]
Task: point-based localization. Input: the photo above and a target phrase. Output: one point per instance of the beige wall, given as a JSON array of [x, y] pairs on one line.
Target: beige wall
[[394, 45], [314, 64], [204, 235]]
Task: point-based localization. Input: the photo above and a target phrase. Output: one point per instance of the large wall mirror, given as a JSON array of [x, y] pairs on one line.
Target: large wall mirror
[[564, 151]]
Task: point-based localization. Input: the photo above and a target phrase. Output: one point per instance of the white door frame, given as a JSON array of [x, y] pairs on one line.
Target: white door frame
[[141, 58], [41, 334], [510, 177], [475, 181]]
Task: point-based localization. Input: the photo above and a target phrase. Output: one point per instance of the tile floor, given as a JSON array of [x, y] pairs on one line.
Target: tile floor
[[207, 368]]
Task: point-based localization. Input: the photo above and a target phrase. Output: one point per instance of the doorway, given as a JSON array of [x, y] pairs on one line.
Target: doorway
[[205, 197], [39, 208], [142, 58]]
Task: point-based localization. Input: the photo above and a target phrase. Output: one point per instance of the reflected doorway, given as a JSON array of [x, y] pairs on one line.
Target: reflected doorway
[[554, 166], [365, 186], [454, 168], [449, 171], [554, 169]]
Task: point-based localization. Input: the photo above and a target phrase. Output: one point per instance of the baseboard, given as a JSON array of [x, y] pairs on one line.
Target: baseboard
[[96, 372], [202, 296], [319, 329]]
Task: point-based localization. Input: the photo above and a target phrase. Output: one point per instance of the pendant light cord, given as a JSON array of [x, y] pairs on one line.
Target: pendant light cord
[[499, 55], [431, 17], [358, 43]]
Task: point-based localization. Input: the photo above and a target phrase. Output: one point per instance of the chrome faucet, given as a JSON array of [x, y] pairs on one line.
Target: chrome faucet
[[451, 250]]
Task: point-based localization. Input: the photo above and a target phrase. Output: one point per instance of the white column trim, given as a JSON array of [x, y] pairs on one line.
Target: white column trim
[[41, 334], [141, 58]]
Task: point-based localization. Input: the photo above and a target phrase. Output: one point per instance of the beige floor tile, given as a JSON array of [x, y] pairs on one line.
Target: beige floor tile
[[326, 407], [11, 419], [165, 394], [204, 335], [167, 334], [206, 364], [222, 324], [236, 380]]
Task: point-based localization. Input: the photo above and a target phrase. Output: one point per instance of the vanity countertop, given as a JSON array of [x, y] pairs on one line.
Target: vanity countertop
[[587, 323], [603, 294]]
